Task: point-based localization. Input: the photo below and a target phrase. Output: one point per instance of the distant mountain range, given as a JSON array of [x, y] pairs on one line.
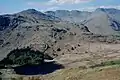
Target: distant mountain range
[[100, 21], [34, 28], [72, 16]]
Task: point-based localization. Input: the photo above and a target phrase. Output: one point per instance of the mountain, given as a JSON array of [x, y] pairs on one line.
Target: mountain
[[101, 21], [31, 28], [29, 16], [72, 16], [57, 29], [104, 21], [36, 15]]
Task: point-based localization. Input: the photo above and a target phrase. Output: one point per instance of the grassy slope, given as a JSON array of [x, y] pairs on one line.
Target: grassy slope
[[103, 73]]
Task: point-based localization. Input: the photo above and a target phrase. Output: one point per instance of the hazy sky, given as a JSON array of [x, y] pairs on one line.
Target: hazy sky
[[11, 6]]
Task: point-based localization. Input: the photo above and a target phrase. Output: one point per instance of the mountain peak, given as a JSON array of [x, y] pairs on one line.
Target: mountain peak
[[100, 9], [31, 11], [75, 11], [106, 9], [65, 11]]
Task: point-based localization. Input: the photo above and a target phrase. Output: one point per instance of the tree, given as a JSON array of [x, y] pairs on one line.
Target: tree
[[23, 56]]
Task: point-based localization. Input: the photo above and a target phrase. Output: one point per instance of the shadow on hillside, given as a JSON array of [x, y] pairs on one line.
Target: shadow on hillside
[[43, 69]]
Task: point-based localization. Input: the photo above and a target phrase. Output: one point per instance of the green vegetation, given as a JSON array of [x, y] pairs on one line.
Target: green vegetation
[[24, 56], [107, 63], [115, 62]]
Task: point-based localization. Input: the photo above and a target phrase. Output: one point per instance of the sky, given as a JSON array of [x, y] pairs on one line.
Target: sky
[[13, 6]]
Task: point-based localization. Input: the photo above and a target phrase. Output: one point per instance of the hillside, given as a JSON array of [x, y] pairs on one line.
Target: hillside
[[31, 28], [36, 29], [104, 73], [102, 22]]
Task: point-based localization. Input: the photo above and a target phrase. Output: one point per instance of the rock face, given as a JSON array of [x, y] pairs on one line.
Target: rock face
[[5, 21]]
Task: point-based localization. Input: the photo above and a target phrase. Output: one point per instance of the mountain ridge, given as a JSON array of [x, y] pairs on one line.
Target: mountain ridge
[[34, 28]]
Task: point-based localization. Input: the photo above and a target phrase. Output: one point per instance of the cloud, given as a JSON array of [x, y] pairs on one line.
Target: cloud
[[116, 7], [44, 6], [52, 8], [37, 4], [32, 3], [92, 8], [60, 2]]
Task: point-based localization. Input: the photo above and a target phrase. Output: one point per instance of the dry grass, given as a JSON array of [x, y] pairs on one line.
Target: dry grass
[[104, 73]]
